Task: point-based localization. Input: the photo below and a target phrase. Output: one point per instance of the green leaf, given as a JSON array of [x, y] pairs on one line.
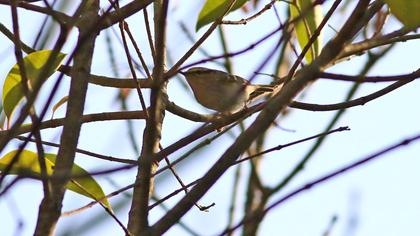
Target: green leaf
[[34, 65], [214, 9], [406, 11], [28, 163], [305, 27]]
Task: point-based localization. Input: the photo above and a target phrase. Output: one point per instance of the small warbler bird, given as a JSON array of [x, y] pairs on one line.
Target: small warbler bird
[[221, 91]]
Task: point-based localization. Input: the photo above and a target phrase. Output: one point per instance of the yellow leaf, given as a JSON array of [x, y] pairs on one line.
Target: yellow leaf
[[58, 104], [307, 25], [213, 9], [28, 163], [406, 11], [34, 65]]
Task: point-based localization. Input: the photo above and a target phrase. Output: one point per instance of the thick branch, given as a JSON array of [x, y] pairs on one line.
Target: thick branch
[[50, 208], [123, 13], [138, 222]]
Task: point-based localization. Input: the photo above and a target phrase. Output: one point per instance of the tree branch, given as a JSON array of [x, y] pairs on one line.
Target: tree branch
[[50, 208], [123, 13], [104, 116], [61, 17], [327, 177], [275, 105]]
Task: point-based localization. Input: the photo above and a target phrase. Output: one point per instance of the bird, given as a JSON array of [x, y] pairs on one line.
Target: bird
[[221, 91]]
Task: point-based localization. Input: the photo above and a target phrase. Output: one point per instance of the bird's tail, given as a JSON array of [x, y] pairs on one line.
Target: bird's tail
[[261, 90]]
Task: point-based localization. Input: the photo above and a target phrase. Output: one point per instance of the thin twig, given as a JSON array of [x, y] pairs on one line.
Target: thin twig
[[184, 188], [149, 34], [197, 44], [350, 103], [262, 122], [233, 199], [281, 146], [267, 7], [104, 116], [61, 17], [107, 210], [327, 177], [26, 91], [299, 167], [130, 64], [312, 39], [85, 152]]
